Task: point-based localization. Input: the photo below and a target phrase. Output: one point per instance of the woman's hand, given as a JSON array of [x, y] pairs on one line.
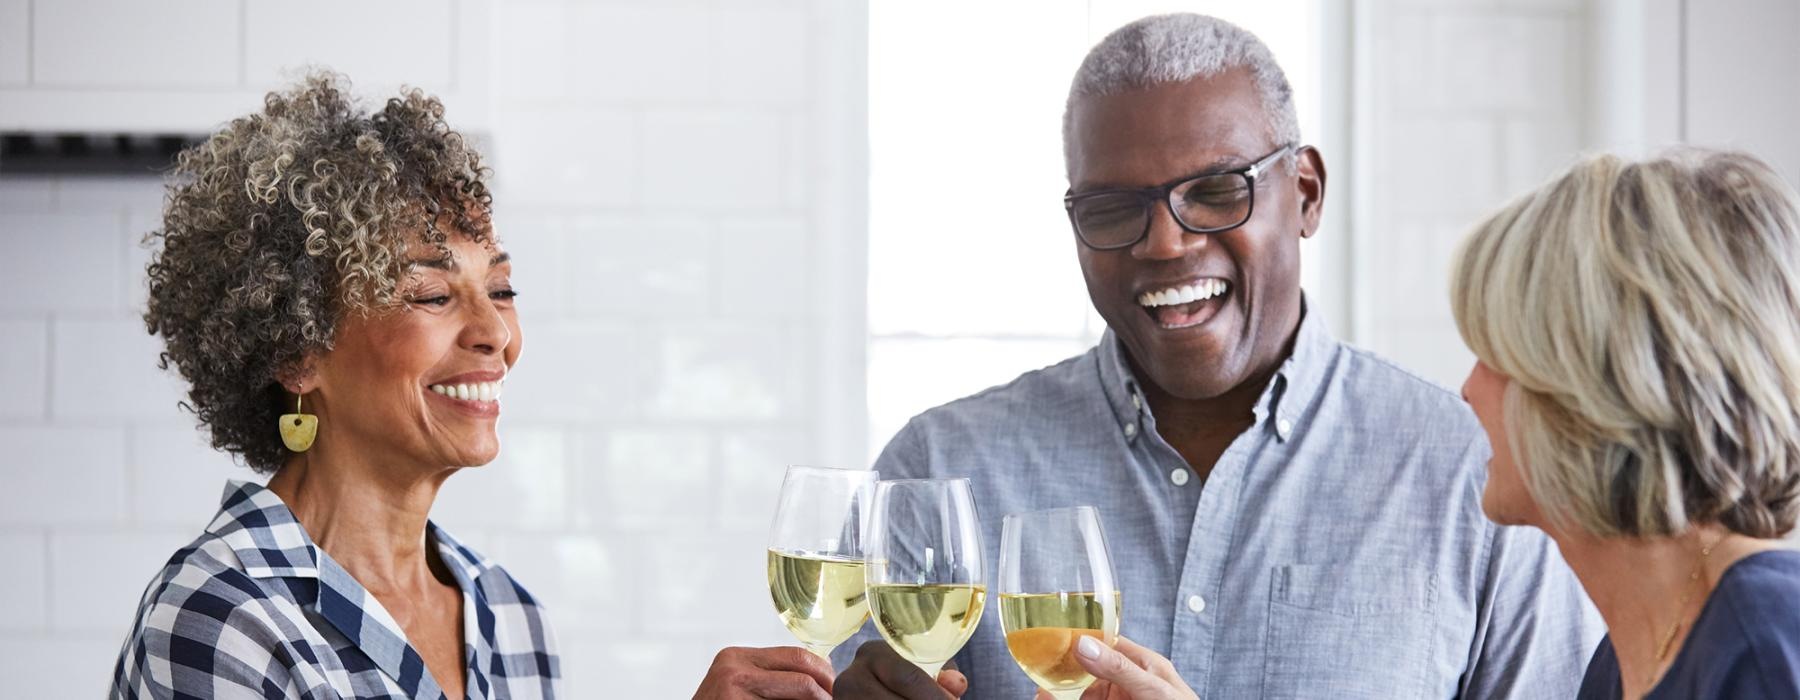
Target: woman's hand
[[1127, 672], [784, 673]]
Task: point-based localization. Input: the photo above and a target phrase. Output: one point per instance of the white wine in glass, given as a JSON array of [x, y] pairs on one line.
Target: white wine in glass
[[926, 572], [816, 555], [1056, 586]]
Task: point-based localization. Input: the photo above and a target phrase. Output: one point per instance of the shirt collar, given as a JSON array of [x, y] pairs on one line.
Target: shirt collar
[[1292, 388], [263, 533], [271, 543]]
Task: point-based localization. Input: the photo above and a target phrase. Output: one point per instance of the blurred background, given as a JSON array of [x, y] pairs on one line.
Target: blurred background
[[748, 233]]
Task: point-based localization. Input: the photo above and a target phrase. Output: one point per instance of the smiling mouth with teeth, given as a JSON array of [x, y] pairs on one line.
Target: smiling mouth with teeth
[[1185, 306], [472, 391]]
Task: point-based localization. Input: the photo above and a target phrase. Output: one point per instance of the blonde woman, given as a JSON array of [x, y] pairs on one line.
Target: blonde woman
[[1637, 330]]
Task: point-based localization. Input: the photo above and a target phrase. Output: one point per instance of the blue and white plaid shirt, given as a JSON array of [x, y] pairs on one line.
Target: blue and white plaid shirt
[[253, 608]]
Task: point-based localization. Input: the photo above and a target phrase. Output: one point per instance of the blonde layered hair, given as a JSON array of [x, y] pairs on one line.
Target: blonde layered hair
[[1648, 314]]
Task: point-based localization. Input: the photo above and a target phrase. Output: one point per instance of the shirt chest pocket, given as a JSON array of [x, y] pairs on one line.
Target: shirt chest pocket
[[1342, 631]]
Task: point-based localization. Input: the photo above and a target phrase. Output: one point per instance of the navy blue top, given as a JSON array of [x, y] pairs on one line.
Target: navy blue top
[[1745, 645]]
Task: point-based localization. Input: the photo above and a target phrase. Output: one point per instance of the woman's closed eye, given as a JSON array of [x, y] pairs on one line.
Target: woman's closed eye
[[439, 300], [507, 294]]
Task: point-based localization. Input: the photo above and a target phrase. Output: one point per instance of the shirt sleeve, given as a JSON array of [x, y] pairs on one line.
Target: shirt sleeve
[[1535, 628], [205, 641], [904, 457]]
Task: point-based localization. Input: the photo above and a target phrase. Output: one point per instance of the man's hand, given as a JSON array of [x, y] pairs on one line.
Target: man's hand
[[775, 673], [1127, 672], [881, 674]]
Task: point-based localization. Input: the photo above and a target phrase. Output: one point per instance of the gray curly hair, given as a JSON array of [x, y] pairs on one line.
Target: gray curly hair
[[282, 222], [1178, 47]]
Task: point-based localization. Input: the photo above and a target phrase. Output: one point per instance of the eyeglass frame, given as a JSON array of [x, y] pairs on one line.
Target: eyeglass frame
[[1149, 195]]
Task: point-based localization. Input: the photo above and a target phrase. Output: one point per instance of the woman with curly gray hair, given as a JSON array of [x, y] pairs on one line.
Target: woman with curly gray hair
[[329, 285], [1637, 331]]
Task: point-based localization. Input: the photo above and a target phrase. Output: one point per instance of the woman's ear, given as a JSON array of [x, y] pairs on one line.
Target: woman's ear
[[300, 376]]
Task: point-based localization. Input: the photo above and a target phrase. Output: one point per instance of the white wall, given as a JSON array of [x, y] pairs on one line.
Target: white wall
[[1460, 106], [1457, 107], [680, 183], [1742, 83]]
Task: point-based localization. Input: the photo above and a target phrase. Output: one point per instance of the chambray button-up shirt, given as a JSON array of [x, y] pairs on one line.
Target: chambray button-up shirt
[[1337, 549]]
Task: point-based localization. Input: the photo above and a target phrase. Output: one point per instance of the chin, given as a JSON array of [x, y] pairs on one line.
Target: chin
[[474, 452], [1501, 512]]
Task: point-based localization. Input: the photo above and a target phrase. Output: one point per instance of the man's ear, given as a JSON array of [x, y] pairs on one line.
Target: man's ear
[[1309, 178]]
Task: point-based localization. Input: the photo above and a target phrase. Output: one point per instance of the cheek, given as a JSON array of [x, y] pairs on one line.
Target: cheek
[[517, 346], [1098, 276]]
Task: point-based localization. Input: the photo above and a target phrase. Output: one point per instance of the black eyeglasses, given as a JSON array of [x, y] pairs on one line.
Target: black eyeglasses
[[1206, 203]]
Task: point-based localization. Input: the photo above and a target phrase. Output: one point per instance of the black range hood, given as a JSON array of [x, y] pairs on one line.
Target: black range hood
[[38, 153]]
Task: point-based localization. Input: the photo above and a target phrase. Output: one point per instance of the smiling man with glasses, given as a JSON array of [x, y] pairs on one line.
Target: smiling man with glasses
[[1288, 516]]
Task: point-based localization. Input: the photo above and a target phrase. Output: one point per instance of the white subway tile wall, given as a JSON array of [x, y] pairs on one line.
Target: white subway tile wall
[[134, 45], [655, 183], [1470, 103], [15, 42]]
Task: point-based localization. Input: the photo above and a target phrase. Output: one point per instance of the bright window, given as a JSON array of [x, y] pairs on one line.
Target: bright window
[[972, 271]]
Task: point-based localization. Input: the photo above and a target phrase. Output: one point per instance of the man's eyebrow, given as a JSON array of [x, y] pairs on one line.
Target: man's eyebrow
[[1221, 164]]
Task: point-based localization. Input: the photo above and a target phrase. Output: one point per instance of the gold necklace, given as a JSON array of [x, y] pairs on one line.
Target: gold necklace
[[1668, 639]]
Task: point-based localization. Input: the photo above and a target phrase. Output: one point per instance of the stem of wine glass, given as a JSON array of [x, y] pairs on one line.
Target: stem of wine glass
[[823, 652], [1067, 693], [932, 669]]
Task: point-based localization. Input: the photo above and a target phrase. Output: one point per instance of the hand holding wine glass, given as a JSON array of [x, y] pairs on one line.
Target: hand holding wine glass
[[1127, 671]]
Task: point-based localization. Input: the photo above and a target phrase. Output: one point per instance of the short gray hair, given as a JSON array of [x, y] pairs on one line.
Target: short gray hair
[[1647, 315], [1175, 48]]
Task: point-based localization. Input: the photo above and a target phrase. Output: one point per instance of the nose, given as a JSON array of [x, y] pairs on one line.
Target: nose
[[484, 330], [1166, 239]]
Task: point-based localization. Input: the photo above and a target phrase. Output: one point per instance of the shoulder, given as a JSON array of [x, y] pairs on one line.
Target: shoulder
[[200, 611], [1032, 406], [1037, 391], [1761, 593], [1385, 388], [1750, 645], [201, 577]]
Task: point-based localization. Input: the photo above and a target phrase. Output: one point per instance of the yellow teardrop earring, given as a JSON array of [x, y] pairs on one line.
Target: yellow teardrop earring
[[298, 429]]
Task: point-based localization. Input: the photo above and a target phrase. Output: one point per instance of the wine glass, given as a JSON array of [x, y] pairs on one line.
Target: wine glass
[[926, 572], [816, 555], [1056, 586]]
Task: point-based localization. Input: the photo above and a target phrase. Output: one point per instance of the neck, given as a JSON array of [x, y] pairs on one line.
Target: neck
[[1229, 412], [1201, 430], [1639, 586], [369, 517]]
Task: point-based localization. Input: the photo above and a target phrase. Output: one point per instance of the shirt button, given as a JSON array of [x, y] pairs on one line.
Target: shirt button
[[1179, 476], [1130, 429], [1136, 402], [1283, 427], [1196, 603]]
